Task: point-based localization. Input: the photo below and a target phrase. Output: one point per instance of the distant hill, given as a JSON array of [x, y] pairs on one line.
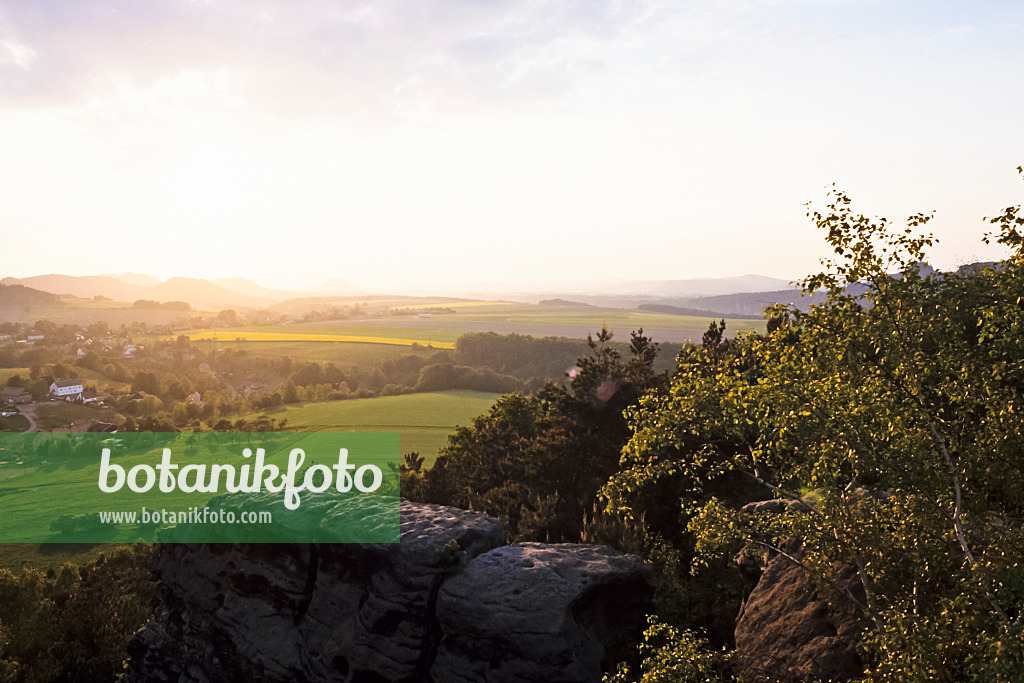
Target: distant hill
[[563, 303], [203, 293], [137, 279], [20, 295], [336, 286], [698, 312], [250, 288], [753, 304], [85, 287], [696, 287], [750, 303], [619, 293], [198, 293]]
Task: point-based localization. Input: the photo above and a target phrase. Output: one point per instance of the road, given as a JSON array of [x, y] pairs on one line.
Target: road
[[29, 411]]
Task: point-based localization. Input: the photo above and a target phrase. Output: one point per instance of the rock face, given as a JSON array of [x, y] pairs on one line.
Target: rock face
[[577, 610], [789, 630], [426, 609]]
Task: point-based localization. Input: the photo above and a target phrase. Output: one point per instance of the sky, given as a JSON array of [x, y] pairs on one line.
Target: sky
[[430, 145]]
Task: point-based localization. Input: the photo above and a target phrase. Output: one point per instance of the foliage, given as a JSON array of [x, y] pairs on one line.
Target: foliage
[[537, 462], [73, 624], [674, 656], [896, 406]]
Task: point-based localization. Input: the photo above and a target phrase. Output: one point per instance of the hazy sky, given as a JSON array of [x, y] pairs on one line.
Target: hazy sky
[[415, 143]]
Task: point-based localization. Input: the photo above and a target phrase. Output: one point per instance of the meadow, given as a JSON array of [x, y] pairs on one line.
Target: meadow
[[423, 420], [539, 320], [341, 354], [63, 482], [7, 373], [13, 423], [281, 335], [59, 414]]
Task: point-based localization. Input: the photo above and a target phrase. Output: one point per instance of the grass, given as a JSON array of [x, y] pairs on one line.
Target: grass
[[535, 320], [61, 414], [13, 423], [7, 373], [100, 381], [231, 335], [88, 377], [342, 355], [621, 320], [423, 420], [8, 471], [65, 481], [441, 330]]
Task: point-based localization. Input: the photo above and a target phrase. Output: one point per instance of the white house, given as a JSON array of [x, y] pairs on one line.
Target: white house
[[129, 350], [68, 389]]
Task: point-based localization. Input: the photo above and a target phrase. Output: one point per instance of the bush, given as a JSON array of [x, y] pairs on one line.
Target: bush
[[674, 656]]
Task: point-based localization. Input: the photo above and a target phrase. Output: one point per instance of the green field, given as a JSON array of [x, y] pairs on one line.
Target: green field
[[63, 485], [369, 328], [61, 414], [7, 373], [620, 320], [13, 423], [423, 420], [7, 471], [535, 320], [100, 381], [341, 354], [252, 334]]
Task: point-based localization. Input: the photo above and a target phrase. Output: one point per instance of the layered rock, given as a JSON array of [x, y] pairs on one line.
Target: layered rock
[[789, 628], [543, 612], [448, 603]]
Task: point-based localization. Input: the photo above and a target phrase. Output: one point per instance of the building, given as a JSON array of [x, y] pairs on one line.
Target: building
[[14, 395], [68, 389]]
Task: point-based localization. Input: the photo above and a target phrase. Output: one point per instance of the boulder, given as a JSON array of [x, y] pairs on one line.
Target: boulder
[[541, 613], [411, 611], [791, 630]]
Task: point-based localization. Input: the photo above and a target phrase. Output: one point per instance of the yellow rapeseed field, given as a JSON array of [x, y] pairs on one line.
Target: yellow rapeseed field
[[244, 335]]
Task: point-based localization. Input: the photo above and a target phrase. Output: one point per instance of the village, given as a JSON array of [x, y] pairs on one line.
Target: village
[[72, 375]]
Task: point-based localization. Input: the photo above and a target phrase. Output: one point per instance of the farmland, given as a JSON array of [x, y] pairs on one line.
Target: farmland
[[537, 320], [339, 353], [276, 335], [423, 420], [7, 373], [60, 414]]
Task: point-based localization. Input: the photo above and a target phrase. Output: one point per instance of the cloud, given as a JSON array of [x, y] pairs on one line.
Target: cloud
[[316, 58]]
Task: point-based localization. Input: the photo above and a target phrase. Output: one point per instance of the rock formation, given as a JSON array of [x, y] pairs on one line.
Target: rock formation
[[789, 629], [450, 602]]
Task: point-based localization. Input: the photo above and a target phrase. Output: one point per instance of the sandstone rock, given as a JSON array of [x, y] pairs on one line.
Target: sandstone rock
[[541, 613], [323, 612], [790, 630], [369, 612]]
